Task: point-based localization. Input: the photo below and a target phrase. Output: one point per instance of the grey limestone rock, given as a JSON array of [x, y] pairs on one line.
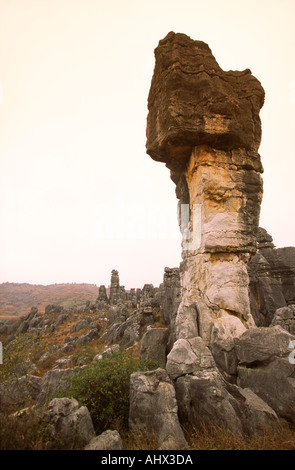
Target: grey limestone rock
[[108, 440], [222, 342], [154, 344], [18, 391], [265, 367], [153, 408], [56, 379], [285, 317], [258, 345], [205, 398], [188, 356], [69, 422]]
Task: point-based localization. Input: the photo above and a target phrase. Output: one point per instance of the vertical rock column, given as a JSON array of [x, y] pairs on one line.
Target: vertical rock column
[[203, 123], [115, 287]]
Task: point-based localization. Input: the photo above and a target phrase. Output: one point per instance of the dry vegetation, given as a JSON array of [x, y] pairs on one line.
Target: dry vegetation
[[28, 432]]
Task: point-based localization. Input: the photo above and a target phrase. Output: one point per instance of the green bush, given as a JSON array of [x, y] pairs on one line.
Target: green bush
[[104, 388]]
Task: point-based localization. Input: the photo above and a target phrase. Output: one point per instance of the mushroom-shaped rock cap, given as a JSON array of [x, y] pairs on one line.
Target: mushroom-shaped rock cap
[[192, 101]]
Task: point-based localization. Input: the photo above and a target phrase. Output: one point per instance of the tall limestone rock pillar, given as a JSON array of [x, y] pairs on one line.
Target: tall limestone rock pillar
[[204, 124]]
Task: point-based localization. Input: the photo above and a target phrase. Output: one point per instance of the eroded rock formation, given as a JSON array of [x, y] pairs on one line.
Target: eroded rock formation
[[204, 124], [115, 287], [272, 279]]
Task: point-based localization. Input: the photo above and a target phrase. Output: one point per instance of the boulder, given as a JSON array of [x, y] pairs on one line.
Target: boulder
[[52, 309], [206, 399], [258, 345], [274, 382], [154, 344], [56, 379], [285, 318], [69, 422], [108, 440], [80, 325], [18, 391], [61, 319], [153, 408], [188, 356], [265, 366], [222, 344], [272, 279]]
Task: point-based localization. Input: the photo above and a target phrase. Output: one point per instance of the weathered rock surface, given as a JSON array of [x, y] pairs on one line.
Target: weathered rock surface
[[204, 124], [222, 343], [19, 391], [265, 367], [56, 379], [274, 382], [188, 356], [171, 298], [102, 294], [153, 408], [154, 345], [205, 398], [108, 440], [272, 279], [285, 317], [69, 422], [262, 344], [115, 287], [192, 101]]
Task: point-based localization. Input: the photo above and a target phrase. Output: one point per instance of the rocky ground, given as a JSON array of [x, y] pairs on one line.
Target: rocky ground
[[231, 382]]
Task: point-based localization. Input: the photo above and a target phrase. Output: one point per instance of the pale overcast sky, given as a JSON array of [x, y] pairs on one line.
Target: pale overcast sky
[[79, 196]]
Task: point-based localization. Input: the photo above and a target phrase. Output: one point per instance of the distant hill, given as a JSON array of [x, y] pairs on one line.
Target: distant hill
[[17, 299]]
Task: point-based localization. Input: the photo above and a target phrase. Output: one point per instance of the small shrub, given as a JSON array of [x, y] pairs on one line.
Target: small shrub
[[104, 388]]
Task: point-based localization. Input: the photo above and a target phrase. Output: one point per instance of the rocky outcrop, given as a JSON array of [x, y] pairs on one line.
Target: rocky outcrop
[[19, 391], [204, 397], [285, 317], [272, 279], [69, 422], [102, 294], [55, 379], [170, 298], [115, 287], [153, 408], [108, 440], [192, 101], [204, 124], [265, 367], [154, 345]]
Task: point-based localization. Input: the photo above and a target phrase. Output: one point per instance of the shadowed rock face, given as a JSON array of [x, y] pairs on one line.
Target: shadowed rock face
[[272, 279], [204, 124]]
